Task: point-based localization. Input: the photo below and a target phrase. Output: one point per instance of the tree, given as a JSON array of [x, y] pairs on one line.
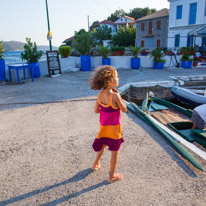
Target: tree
[[95, 22], [124, 37], [137, 13], [116, 15], [102, 33], [83, 42], [81, 31], [31, 54]]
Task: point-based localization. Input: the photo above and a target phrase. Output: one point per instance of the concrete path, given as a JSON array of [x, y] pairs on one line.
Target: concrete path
[[46, 131]]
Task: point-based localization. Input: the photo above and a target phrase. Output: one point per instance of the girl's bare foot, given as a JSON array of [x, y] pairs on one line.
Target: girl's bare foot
[[115, 177], [95, 167]]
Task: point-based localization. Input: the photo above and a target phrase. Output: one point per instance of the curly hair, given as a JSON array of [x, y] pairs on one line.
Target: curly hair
[[101, 77]]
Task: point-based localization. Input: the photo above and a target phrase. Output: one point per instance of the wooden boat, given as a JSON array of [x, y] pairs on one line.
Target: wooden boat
[[162, 116], [189, 96], [177, 118]]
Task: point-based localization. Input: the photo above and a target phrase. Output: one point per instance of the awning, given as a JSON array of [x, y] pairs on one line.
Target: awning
[[200, 31]]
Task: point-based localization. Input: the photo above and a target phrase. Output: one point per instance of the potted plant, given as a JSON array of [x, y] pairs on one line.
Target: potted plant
[[82, 44], [186, 61], [144, 52], [32, 56], [195, 61], [158, 55], [65, 51], [135, 61], [168, 52], [118, 50], [104, 51], [2, 63]]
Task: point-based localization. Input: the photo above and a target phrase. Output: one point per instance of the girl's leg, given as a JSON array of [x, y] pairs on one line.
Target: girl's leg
[[113, 163], [98, 157]]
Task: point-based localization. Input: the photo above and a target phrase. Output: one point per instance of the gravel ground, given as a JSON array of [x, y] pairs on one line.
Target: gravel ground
[[46, 131]]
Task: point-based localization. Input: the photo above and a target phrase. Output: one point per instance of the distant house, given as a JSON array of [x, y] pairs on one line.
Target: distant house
[[152, 30], [123, 21], [106, 23], [187, 23], [70, 40]]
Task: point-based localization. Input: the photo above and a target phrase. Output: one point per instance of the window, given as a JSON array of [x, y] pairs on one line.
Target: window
[[159, 24], [158, 43], [177, 40], [179, 12], [193, 12], [150, 27], [142, 26], [142, 43]]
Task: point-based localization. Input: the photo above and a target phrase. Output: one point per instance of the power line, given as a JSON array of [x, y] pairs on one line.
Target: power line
[[102, 5]]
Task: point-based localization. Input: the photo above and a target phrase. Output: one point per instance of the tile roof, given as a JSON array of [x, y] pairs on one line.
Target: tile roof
[[103, 22], [71, 38], [157, 14], [128, 17]]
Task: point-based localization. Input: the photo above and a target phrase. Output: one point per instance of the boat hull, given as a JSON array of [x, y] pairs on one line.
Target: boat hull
[[188, 96]]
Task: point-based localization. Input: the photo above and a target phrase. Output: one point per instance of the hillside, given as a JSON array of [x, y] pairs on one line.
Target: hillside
[[19, 46]]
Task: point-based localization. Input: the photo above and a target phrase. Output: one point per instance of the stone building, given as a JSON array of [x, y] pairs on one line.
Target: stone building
[[152, 30]]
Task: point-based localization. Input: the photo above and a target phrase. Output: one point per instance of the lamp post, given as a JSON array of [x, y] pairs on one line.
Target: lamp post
[[49, 36]]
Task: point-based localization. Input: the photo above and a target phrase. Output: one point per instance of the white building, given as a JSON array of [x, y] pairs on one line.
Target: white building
[[123, 21], [187, 23]]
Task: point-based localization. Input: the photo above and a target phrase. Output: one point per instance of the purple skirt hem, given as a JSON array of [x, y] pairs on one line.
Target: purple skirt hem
[[113, 144]]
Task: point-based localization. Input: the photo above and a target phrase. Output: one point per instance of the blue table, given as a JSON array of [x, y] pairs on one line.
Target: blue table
[[18, 67]]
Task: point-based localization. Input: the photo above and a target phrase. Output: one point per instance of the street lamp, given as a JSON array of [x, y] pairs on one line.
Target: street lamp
[[49, 35]]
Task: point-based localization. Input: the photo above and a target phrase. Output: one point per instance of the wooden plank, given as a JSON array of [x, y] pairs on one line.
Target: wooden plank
[[189, 145]]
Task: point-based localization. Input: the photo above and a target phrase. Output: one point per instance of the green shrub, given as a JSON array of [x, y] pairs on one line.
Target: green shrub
[[186, 53], [65, 51], [135, 51], [30, 53], [102, 33], [104, 51], [158, 55], [124, 37]]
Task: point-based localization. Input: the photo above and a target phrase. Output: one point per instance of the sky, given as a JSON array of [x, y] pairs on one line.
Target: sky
[[28, 18]]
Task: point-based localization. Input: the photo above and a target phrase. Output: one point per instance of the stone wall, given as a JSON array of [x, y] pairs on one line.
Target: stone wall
[[150, 40]]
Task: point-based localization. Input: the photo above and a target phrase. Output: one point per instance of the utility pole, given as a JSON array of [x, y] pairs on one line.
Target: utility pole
[[49, 35], [88, 22]]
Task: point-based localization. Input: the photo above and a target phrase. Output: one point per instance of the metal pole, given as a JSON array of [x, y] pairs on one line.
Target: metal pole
[[88, 22], [50, 44]]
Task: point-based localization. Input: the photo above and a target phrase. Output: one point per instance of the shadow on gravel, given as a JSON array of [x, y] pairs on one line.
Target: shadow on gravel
[[79, 176], [63, 199], [171, 151]]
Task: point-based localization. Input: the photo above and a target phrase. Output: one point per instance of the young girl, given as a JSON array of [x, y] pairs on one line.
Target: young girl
[[108, 104]]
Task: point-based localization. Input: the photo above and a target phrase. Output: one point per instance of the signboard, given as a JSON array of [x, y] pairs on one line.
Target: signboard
[[53, 61]]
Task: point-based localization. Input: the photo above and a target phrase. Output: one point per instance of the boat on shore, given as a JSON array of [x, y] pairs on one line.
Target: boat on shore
[[190, 96], [162, 116], [136, 91]]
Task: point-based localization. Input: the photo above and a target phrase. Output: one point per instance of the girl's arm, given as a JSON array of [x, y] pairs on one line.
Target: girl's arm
[[120, 102], [96, 107]]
